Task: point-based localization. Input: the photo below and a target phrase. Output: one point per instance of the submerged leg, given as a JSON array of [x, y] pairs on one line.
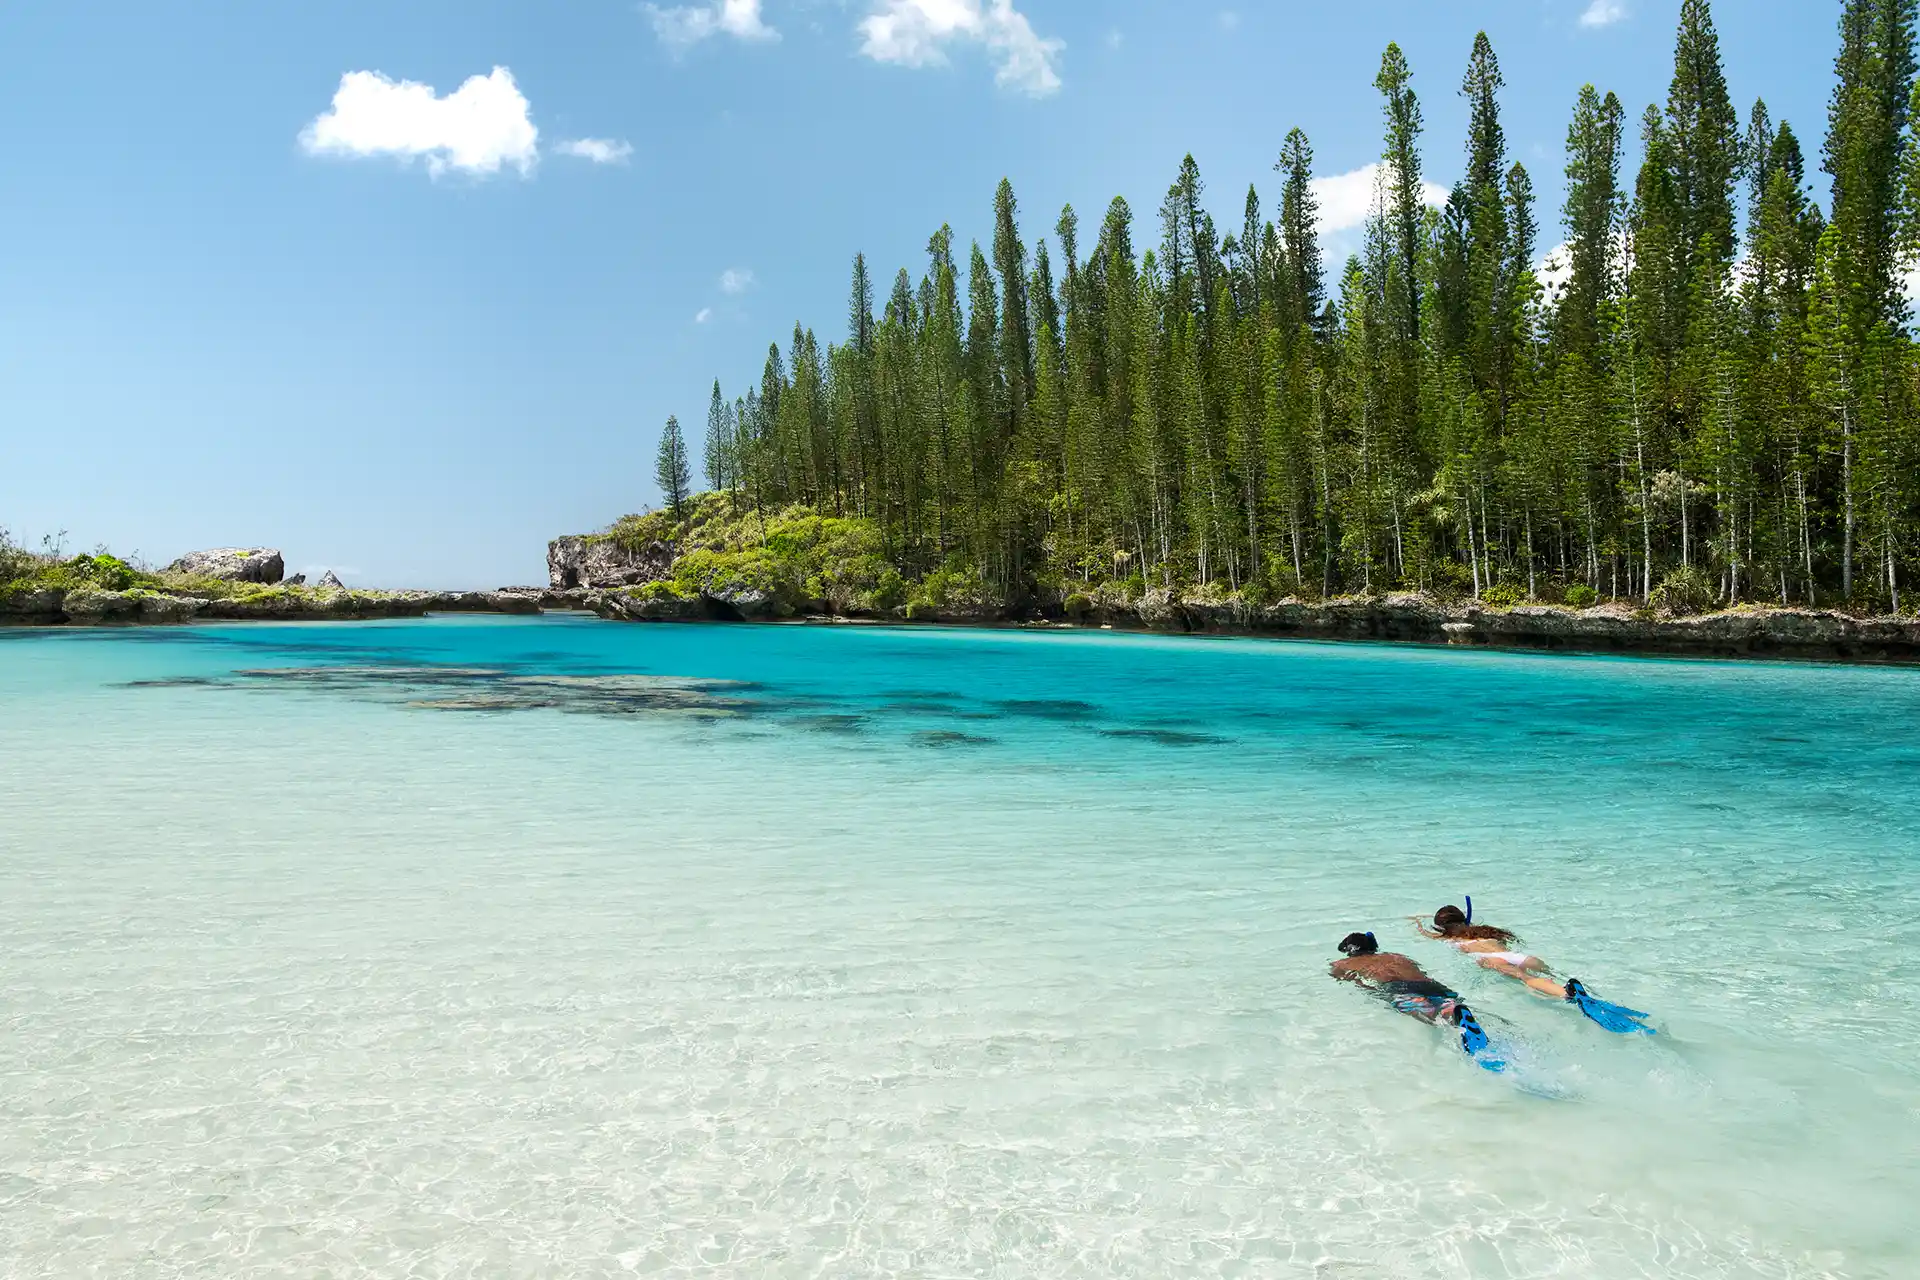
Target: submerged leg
[[1534, 974]]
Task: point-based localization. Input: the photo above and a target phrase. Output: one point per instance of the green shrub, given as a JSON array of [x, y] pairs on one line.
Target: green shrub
[[98, 572], [1214, 592], [1686, 590], [1078, 605], [1259, 593], [108, 573], [1582, 596], [954, 583], [890, 592], [665, 589], [1450, 580], [16, 562], [1504, 595]]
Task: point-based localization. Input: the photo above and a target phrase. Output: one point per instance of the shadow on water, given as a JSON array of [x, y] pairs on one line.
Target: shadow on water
[[1048, 708], [457, 688], [948, 738], [843, 724], [550, 680], [178, 682], [1168, 737]]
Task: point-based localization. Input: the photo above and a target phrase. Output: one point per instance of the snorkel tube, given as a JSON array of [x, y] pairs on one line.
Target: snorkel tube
[[1469, 898]]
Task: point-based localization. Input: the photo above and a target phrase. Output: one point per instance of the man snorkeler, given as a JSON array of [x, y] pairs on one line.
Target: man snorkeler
[[1407, 987]]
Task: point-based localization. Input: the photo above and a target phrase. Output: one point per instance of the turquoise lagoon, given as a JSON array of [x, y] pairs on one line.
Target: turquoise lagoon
[[564, 948]]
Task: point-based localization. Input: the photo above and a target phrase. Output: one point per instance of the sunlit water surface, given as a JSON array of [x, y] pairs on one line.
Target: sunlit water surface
[[380, 950]]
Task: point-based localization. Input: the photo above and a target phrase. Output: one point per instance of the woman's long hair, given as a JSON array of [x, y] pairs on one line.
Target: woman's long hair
[[1451, 922]]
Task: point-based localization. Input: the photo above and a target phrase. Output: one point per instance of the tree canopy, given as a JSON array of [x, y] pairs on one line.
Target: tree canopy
[[1710, 377]]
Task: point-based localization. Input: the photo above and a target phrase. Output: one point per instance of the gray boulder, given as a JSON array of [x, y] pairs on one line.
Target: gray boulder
[[155, 607], [32, 604], [234, 564], [297, 580], [87, 606], [598, 561], [330, 581]]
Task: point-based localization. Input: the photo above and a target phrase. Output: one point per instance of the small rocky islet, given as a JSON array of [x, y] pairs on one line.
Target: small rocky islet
[[628, 573]]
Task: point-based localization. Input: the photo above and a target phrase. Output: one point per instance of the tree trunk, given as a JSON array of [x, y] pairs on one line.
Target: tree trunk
[[1846, 485]]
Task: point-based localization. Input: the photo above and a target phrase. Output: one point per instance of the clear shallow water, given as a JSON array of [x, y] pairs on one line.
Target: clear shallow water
[[452, 949]]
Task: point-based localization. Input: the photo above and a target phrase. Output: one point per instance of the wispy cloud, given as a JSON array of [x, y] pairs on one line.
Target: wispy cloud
[[736, 280], [685, 25], [598, 150], [476, 129], [1345, 199], [1603, 13], [1229, 20], [916, 33], [703, 315]]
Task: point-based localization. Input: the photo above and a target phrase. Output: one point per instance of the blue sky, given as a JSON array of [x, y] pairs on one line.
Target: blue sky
[[317, 276]]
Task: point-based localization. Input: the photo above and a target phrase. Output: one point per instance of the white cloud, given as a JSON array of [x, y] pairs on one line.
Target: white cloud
[[914, 33], [703, 315], [477, 128], [684, 25], [1603, 13], [736, 280], [1554, 270], [1345, 199], [598, 150]]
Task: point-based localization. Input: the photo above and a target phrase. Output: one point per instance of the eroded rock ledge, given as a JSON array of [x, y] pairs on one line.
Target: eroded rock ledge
[[1741, 633], [85, 607]]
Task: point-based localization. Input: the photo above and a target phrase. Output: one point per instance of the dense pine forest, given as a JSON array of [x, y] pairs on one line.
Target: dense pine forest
[[1713, 402]]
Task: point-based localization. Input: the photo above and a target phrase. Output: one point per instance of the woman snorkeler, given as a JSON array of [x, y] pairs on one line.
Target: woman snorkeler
[[1497, 950]]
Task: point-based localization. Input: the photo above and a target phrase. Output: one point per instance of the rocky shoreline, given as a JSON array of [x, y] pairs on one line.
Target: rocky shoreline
[[1801, 635], [635, 579], [1746, 632]]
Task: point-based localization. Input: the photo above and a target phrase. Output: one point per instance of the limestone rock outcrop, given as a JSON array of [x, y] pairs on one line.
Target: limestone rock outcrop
[[330, 581], [600, 562], [234, 564]]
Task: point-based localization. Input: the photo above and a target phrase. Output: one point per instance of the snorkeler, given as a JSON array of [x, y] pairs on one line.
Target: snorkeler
[[1494, 949], [1406, 986]]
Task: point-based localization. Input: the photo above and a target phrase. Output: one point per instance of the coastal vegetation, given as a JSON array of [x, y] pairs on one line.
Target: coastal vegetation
[[50, 569], [1705, 396], [49, 586], [24, 570], [795, 558]]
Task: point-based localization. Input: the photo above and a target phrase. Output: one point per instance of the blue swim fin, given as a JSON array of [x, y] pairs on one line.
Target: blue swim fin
[[1614, 1017], [1474, 1040]]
